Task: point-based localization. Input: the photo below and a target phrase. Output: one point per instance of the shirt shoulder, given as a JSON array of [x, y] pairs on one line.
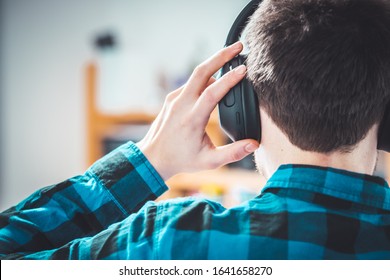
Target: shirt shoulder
[[198, 228]]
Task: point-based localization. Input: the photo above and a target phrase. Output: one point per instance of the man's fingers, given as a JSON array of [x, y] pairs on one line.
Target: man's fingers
[[210, 82], [233, 152], [204, 71], [215, 92], [170, 98]]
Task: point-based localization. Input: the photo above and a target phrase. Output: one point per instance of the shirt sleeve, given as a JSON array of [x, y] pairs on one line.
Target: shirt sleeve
[[111, 190], [131, 238]]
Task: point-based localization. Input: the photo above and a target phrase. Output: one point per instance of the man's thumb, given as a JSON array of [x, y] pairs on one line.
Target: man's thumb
[[236, 151]]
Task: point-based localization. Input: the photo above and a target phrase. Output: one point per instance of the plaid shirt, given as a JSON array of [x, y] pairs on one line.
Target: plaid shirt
[[304, 212]]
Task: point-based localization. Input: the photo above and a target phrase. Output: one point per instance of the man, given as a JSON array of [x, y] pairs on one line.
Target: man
[[321, 70]]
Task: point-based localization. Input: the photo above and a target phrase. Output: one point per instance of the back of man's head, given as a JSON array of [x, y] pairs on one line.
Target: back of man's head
[[321, 68]]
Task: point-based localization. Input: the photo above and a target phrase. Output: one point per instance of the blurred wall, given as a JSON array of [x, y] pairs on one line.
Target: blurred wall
[[45, 45], [1, 95]]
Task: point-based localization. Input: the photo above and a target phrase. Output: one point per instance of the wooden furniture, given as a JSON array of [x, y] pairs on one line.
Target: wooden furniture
[[221, 181]]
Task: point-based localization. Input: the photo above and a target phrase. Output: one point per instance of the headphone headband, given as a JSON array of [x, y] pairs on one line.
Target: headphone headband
[[240, 22]]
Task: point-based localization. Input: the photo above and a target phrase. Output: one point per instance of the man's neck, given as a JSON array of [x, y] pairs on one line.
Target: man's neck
[[272, 153]]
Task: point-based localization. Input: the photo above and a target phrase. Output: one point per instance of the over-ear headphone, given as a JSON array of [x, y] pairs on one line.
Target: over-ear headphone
[[239, 109]]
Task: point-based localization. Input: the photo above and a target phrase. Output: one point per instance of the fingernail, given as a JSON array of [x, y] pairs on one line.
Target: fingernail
[[250, 148], [240, 69], [236, 45]]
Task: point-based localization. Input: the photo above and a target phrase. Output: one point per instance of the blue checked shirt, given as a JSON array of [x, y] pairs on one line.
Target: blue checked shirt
[[304, 212]]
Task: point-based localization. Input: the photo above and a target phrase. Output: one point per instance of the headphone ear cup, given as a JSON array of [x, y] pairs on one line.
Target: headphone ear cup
[[251, 111], [250, 107], [230, 105], [239, 110], [384, 131]]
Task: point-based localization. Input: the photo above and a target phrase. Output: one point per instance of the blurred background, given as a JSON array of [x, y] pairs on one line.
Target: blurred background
[[80, 77]]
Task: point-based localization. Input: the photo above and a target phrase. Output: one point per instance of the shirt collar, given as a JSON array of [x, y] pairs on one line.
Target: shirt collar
[[355, 187]]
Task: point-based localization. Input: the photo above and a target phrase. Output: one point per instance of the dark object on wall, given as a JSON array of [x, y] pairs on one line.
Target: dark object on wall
[[105, 41]]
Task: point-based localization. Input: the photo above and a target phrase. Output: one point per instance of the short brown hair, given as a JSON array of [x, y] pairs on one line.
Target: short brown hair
[[321, 68]]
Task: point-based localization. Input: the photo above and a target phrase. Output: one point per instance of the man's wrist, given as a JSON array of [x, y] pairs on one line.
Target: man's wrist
[[153, 159]]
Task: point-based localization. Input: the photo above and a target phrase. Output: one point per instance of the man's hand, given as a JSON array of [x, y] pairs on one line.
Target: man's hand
[[177, 141]]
